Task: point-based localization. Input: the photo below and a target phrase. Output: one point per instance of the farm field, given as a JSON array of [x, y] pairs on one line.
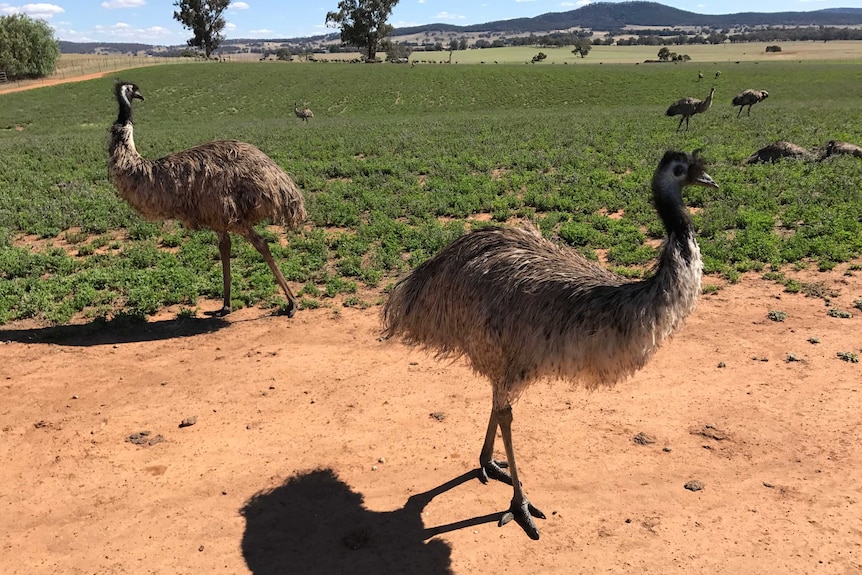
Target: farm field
[[319, 447]]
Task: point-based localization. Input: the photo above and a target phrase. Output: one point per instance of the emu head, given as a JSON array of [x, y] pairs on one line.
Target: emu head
[[678, 170], [127, 91], [764, 94]]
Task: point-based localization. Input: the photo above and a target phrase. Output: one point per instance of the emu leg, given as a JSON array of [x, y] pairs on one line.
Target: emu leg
[[224, 253], [680, 124], [261, 246], [488, 466], [740, 111], [521, 510]]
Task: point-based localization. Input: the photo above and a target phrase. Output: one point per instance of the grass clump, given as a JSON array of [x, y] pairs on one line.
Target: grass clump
[[776, 315]]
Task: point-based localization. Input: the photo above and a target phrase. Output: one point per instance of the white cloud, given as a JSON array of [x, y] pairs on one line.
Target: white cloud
[[123, 4], [266, 32], [229, 26], [238, 6], [127, 32], [421, 1], [448, 16], [43, 11], [519, 1]]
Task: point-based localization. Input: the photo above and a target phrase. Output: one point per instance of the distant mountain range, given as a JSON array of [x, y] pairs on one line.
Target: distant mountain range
[[614, 16], [603, 16]]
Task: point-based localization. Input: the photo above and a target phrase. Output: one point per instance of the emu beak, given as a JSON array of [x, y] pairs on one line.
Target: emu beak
[[138, 95], [705, 180]]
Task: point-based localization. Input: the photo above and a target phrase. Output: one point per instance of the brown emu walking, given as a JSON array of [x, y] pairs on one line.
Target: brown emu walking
[[225, 186], [749, 98], [521, 308], [688, 107], [302, 113]]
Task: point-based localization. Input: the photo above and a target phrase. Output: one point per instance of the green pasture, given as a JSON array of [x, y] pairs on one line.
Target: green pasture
[[399, 160], [705, 57]]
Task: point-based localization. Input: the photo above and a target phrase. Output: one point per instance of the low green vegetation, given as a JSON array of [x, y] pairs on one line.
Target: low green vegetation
[[400, 160]]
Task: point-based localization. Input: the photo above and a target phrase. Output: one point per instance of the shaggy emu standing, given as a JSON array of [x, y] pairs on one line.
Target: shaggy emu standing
[[225, 186], [749, 98], [688, 107], [522, 308], [302, 113]]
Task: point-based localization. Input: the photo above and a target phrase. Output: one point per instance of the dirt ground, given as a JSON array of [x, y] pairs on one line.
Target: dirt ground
[[318, 448]]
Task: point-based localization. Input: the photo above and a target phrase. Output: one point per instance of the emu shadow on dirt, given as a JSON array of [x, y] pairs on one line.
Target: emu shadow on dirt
[[121, 330], [314, 524]]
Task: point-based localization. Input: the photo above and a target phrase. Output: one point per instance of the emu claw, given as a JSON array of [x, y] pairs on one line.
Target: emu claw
[[289, 310], [494, 470], [219, 313], [523, 514]]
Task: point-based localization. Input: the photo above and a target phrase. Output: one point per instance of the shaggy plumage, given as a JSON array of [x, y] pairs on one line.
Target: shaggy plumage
[[226, 186], [521, 308], [777, 151], [834, 147], [749, 98], [302, 113], [688, 107]]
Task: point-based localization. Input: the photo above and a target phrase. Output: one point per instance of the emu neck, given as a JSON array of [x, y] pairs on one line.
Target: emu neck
[[122, 142], [125, 115]]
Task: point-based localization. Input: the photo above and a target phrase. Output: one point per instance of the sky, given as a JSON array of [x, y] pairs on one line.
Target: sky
[[151, 21]]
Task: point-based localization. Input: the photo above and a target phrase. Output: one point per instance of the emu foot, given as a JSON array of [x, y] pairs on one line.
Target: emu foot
[[523, 514], [494, 470], [288, 309], [220, 312]]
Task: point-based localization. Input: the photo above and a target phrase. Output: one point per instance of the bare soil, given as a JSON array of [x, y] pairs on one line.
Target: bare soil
[[266, 445]]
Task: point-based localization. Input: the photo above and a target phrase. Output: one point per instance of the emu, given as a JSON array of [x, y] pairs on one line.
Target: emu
[[302, 113], [688, 107], [225, 186], [834, 147], [777, 151], [749, 98], [522, 308]]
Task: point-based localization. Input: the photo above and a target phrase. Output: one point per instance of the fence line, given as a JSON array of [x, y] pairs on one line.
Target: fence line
[[77, 68]]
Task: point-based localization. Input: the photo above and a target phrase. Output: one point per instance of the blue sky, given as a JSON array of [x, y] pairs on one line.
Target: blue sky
[[151, 21]]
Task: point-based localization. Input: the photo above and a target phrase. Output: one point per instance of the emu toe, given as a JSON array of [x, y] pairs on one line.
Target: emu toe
[[220, 312], [523, 514], [495, 470], [288, 309]]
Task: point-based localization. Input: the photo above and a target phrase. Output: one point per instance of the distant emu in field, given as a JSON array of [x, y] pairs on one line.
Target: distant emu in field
[[225, 186], [522, 308], [717, 74], [302, 113], [834, 148], [749, 98], [699, 76], [688, 107], [777, 151]]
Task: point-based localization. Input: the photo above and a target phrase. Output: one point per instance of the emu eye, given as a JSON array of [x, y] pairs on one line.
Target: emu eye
[[679, 171]]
